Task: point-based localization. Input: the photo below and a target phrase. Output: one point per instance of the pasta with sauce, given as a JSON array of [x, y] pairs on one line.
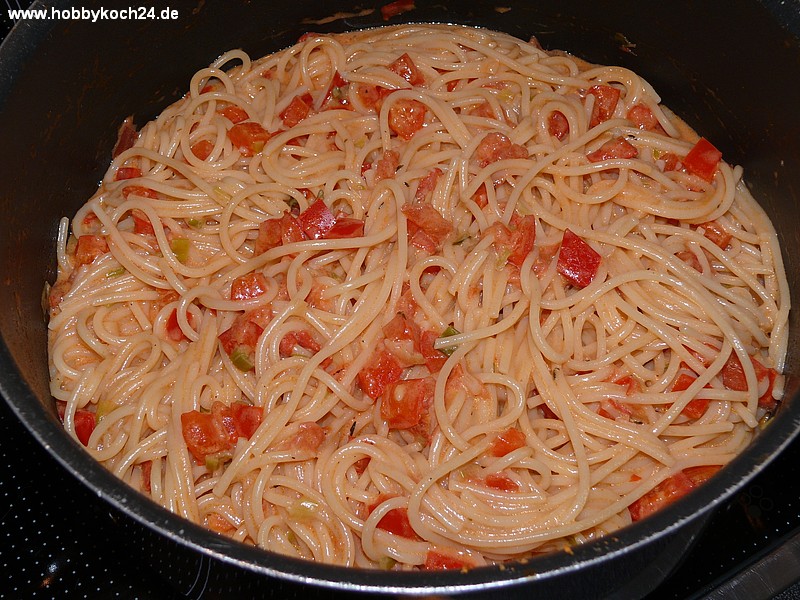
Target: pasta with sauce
[[416, 297]]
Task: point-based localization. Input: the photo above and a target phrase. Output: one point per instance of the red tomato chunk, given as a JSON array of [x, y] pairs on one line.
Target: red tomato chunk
[[497, 146], [404, 402], [406, 68], [249, 286], [299, 108], [90, 247], [381, 371], [670, 490], [396, 8], [606, 98], [248, 137], [703, 160], [438, 561], [578, 262], [85, 422], [406, 117], [209, 433], [507, 441], [394, 521], [616, 148], [557, 125]]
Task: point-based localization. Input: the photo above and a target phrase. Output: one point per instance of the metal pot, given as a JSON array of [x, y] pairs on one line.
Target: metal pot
[[728, 68]]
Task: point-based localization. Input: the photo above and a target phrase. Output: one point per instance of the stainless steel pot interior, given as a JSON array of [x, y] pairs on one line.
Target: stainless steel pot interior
[[66, 84]]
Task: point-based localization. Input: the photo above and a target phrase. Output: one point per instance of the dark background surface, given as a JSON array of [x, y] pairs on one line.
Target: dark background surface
[[58, 540]]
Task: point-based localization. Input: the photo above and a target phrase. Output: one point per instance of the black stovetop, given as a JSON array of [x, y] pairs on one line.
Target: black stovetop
[[58, 540]]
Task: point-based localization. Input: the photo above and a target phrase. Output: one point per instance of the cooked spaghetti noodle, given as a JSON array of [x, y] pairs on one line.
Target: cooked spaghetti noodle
[[418, 297]]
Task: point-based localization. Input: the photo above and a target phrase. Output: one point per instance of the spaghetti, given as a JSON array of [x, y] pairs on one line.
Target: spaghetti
[[416, 297]]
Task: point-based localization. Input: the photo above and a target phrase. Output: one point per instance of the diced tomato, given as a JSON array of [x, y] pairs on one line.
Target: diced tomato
[[664, 494], [387, 165], [618, 147], [307, 439], [547, 412], [406, 68], [695, 408], [141, 223], [690, 258], [317, 220], [422, 215], [606, 98], [703, 160], [336, 96], [394, 521], [209, 433], [518, 241], [298, 109], [643, 118], [174, 331], [733, 378], [484, 110], [438, 561], [700, 474], [126, 137], [301, 338], [247, 418], [248, 137], [427, 184], [219, 524], [222, 416], [202, 149], [379, 372], [716, 233], [89, 247], [203, 435], [401, 328], [578, 262], [434, 359], [402, 340], [361, 465], [481, 196], [682, 382], [147, 475], [502, 482], [497, 146], [247, 287], [345, 227], [278, 231], [235, 114], [138, 190], [671, 161], [242, 333], [406, 117], [507, 441], [269, 236], [371, 96], [127, 173], [85, 422], [404, 402], [396, 8], [557, 125]]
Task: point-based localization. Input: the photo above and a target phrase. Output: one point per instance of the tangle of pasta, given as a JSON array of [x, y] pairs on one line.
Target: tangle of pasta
[[417, 297]]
